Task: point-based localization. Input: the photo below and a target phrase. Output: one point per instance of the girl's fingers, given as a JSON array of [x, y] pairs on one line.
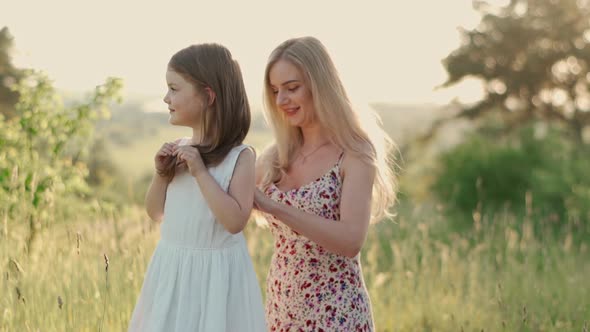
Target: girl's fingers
[[185, 153], [167, 147], [182, 149], [177, 150]]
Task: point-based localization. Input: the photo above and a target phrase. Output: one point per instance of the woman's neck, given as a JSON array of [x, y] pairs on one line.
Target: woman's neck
[[314, 136]]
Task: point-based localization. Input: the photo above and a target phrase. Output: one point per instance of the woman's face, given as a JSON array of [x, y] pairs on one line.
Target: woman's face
[[291, 93], [184, 102]]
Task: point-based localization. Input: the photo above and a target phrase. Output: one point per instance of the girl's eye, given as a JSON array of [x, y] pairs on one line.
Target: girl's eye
[[275, 92], [293, 89]]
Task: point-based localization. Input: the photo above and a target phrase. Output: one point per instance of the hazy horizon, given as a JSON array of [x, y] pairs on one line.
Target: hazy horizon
[[386, 52]]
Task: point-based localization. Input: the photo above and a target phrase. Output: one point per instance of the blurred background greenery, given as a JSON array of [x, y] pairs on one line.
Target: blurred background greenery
[[491, 231]]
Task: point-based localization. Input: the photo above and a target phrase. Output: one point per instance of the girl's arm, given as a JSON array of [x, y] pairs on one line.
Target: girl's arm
[[345, 237], [156, 194], [155, 197], [232, 209]]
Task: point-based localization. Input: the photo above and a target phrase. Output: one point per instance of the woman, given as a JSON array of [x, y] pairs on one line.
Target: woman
[[322, 182]]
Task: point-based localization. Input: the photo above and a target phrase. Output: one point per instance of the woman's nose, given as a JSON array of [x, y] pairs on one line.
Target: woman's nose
[[282, 98]]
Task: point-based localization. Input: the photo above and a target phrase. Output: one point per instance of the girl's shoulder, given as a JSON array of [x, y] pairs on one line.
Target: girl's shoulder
[[238, 156], [242, 150], [236, 152]]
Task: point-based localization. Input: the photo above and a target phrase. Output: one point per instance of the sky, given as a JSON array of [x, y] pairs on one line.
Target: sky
[[385, 51]]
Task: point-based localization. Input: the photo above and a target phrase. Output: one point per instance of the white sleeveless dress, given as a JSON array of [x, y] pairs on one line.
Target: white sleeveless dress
[[200, 277]]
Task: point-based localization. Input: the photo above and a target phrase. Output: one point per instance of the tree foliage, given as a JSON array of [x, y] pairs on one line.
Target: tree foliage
[[534, 59], [43, 148], [8, 74]]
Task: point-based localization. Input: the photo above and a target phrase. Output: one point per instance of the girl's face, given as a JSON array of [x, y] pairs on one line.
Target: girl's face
[[185, 103], [291, 93]]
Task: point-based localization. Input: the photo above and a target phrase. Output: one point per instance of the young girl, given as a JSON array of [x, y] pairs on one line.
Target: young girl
[[200, 277], [323, 180]]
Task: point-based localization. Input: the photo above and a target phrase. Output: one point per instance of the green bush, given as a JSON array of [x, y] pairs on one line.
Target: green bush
[[532, 171]]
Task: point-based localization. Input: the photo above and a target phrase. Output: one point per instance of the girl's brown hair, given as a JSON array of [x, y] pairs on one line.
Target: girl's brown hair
[[226, 121]]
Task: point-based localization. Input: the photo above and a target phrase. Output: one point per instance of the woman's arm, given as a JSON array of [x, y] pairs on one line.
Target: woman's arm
[[232, 209], [345, 237]]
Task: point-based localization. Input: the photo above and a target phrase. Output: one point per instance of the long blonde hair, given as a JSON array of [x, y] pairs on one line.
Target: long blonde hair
[[334, 113]]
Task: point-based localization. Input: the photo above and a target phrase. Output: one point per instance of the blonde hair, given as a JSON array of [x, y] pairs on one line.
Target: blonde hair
[[334, 113]]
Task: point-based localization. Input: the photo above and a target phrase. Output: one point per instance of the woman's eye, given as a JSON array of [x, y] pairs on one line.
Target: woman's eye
[[293, 89]]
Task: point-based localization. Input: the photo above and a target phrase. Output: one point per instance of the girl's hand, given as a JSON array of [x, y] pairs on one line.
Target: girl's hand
[[167, 150], [192, 158]]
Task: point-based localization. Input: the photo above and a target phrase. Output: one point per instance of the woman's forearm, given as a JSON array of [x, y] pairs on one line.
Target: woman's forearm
[[343, 237]]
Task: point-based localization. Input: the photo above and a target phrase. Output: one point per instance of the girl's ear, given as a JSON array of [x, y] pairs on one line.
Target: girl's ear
[[211, 96]]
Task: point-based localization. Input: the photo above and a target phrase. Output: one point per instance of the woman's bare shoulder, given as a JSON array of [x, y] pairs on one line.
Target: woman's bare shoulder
[[355, 163]]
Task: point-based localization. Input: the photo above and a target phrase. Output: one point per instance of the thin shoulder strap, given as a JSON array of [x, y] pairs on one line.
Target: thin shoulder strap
[[339, 164], [230, 164], [340, 158]]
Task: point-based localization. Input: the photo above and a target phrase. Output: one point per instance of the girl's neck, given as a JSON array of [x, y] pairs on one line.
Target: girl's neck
[[197, 137]]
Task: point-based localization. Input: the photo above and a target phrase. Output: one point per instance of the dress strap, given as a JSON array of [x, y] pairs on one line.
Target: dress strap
[[340, 158], [230, 164]]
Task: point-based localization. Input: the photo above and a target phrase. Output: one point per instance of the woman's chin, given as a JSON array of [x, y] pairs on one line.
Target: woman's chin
[[296, 121]]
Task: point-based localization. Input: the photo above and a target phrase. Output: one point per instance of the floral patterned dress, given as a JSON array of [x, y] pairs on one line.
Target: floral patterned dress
[[309, 288]]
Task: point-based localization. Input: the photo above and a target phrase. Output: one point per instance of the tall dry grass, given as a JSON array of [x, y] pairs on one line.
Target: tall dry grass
[[498, 277]]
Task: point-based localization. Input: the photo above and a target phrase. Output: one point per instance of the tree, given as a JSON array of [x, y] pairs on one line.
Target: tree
[[9, 75], [42, 149], [534, 59]]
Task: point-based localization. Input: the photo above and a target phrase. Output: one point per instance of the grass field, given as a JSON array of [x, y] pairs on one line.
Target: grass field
[[419, 277]]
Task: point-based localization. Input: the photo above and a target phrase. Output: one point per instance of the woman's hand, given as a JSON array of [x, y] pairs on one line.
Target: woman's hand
[[164, 153], [192, 158], [262, 202]]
